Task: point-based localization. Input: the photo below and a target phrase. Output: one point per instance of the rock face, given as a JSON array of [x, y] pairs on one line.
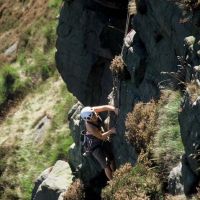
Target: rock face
[[52, 182], [89, 36], [175, 182], [86, 44], [190, 132]]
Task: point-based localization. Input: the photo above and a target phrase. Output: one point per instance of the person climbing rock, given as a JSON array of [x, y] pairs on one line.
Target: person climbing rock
[[97, 139]]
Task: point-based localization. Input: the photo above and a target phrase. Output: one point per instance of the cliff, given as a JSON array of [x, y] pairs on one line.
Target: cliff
[[91, 33]]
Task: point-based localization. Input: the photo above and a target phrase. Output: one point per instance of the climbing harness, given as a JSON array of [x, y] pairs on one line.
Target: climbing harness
[[89, 142]]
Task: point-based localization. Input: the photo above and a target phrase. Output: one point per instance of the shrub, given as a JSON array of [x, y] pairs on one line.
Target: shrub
[[132, 7], [2, 90], [135, 183], [43, 67], [141, 125], [55, 3], [46, 72], [75, 191], [154, 131], [192, 4], [193, 88], [10, 84], [49, 32], [117, 65]]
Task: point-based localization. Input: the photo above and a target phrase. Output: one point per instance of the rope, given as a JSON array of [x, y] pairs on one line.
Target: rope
[[127, 23], [116, 90], [126, 29]]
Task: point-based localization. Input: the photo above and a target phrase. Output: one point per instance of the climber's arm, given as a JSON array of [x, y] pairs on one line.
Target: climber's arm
[[104, 108], [97, 133]]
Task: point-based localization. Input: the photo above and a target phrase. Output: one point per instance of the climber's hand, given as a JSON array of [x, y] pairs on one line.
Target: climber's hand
[[113, 130], [116, 111]]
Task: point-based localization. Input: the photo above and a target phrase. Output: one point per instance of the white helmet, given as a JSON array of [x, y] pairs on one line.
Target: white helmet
[[87, 113]]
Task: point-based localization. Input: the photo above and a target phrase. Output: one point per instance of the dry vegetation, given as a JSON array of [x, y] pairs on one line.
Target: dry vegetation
[[153, 129], [141, 125], [192, 4], [18, 144], [132, 7], [193, 88], [75, 191], [133, 183], [117, 65]]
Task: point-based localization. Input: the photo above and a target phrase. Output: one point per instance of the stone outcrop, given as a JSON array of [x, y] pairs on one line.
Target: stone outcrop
[[175, 182], [190, 132], [86, 44], [52, 182], [91, 34]]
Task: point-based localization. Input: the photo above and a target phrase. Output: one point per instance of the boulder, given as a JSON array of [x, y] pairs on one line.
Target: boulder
[[12, 49], [175, 183], [51, 183]]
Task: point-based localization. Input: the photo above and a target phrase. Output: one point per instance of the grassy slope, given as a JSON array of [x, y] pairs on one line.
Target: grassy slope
[[29, 157], [35, 55], [168, 146], [42, 93]]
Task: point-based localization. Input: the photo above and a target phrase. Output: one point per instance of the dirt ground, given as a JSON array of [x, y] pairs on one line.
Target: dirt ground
[[15, 18]]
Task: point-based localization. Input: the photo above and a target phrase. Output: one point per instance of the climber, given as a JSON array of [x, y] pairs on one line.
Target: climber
[[100, 146]]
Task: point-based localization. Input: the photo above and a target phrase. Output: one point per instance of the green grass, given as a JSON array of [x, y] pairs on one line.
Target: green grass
[[26, 160], [55, 3], [43, 66], [168, 147], [2, 90], [10, 83], [54, 147], [23, 162], [34, 159], [35, 56], [62, 108]]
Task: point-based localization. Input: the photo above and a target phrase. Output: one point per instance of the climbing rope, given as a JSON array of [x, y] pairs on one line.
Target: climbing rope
[[127, 23], [126, 28]]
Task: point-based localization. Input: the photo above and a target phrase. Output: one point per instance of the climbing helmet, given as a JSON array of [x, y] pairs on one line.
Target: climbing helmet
[[87, 113]]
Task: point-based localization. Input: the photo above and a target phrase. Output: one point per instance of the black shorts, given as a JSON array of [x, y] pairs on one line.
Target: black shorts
[[103, 154]]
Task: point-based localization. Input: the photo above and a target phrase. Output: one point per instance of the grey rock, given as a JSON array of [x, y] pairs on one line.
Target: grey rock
[[190, 179], [11, 50], [190, 40], [190, 133], [198, 53], [39, 180], [175, 184], [41, 128], [84, 167], [55, 182], [62, 195], [85, 47], [197, 68]]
